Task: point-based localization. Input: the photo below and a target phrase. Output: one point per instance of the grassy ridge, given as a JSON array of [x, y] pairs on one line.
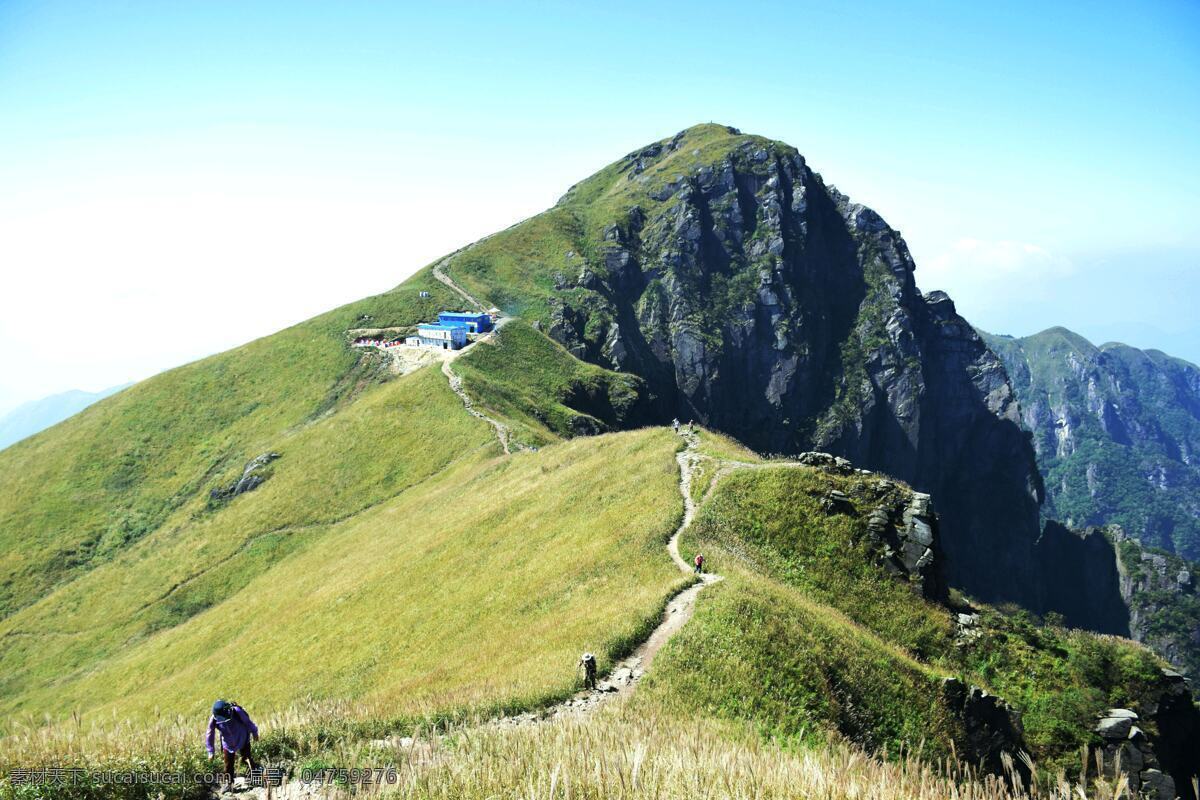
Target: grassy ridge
[[774, 520], [844, 646], [806, 634], [762, 653]]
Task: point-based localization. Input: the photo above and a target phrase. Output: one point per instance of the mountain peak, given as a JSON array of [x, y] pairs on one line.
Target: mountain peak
[[754, 298]]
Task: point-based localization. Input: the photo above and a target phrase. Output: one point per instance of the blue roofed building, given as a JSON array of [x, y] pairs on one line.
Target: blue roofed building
[[476, 322], [437, 334]]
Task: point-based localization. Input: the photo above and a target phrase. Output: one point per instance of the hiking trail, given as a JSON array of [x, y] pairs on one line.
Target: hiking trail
[[502, 431], [625, 674]]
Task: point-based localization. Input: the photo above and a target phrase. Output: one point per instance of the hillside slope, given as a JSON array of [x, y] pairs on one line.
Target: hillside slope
[[382, 528]]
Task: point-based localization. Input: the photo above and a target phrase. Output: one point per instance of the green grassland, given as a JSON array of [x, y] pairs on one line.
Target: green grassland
[[391, 552]]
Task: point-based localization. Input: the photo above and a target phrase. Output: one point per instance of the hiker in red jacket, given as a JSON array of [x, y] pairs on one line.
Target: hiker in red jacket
[[699, 563], [236, 729]]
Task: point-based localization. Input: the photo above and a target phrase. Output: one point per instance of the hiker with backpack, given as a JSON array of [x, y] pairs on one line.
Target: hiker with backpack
[[699, 562], [588, 662], [236, 729]]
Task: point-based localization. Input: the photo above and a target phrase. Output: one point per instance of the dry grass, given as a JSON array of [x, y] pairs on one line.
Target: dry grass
[[626, 751]]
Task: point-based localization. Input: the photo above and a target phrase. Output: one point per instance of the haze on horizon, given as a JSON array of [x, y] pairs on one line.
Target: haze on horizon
[[177, 179]]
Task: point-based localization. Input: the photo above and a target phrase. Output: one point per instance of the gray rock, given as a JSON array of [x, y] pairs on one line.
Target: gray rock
[[931, 403], [1157, 786], [1120, 713], [920, 531], [1116, 726], [991, 726], [252, 478]]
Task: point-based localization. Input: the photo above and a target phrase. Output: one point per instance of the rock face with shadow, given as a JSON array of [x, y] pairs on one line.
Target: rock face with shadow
[[760, 301], [1157, 746], [1082, 579], [1101, 579]]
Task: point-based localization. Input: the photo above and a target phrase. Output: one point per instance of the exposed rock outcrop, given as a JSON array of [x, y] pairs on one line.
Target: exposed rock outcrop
[[1156, 747], [991, 728], [908, 537], [1117, 431], [1160, 591], [253, 476]]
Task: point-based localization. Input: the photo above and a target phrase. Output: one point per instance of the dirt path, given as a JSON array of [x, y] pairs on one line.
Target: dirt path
[[502, 432], [454, 287]]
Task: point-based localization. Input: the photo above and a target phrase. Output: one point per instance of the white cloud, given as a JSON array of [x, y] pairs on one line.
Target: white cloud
[[972, 262]]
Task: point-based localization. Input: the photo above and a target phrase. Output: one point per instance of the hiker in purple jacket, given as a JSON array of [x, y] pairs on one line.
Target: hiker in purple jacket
[[236, 729]]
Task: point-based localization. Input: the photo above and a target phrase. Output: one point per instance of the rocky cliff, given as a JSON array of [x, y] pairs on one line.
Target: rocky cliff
[[757, 299], [1117, 432], [1159, 589]]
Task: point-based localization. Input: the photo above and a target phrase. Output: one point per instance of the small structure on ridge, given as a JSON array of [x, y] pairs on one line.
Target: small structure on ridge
[[475, 322], [439, 335]]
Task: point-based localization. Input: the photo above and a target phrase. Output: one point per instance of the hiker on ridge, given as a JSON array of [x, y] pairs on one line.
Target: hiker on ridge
[[699, 563], [236, 729], [675, 424], [588, 662]]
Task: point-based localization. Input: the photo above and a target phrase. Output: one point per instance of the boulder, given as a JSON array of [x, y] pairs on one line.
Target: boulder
[[1157, 786], [1116, 723]]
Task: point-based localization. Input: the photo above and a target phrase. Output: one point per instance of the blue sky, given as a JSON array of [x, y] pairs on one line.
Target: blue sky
[[178, 178]]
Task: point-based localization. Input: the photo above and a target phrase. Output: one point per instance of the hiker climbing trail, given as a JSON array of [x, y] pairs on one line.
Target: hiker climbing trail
[[625, 675]]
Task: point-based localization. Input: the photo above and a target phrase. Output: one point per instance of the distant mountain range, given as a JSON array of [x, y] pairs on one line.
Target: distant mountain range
[[37, 415], [1117, 434]]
